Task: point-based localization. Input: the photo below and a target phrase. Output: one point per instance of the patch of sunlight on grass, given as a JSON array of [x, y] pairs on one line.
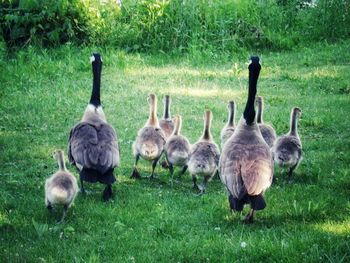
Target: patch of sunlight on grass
[[342, 228], [319, 72], [203, 93], [179, 71]]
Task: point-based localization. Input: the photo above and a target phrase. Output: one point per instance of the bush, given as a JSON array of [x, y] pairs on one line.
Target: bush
[[177, 25]]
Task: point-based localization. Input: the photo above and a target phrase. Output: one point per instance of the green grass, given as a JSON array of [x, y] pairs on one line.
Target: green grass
[[44, 93]]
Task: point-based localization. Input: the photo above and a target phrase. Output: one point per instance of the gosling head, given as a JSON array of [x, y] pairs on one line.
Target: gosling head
[[151, 98], [57, 154]]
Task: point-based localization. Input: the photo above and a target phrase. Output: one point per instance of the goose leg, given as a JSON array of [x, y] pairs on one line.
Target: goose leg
[[82, 189], [135, 173], [184, 169], [165, 164], [65, 208], [204, 186], [107, 193], [249, 217], [290, 172], [194, 180], [154, 164], [49, 207], [171, 169]]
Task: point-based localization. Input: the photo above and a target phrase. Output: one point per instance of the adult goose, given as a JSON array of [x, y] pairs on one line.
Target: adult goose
[[246, 165], [93, 146]]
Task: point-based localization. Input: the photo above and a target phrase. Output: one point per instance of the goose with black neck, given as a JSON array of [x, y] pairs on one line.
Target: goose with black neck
[[246, 166], [93, 144]]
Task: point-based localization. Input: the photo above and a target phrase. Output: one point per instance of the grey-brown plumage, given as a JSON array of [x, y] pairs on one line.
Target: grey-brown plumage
[[93, 146], [177, 148], [229, 128], [166, 123], [287, 149], [61, 188], [246, 166], [267, 131], [204, 156], [150, 140]]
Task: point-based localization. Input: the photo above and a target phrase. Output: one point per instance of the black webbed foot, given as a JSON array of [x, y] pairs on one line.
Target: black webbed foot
[[135, 174], [107, 193], [165, 164]]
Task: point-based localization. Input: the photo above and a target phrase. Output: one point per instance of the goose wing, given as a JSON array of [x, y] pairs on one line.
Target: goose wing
[[246, 170], [257, 171], [93, 147]]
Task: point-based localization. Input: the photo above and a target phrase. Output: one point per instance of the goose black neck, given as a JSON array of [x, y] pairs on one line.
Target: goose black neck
[[96, 85], [254, 70], [231, 114], [166, 108], [294, 123]]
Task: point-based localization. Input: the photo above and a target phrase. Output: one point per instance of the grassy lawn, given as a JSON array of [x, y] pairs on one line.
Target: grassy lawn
[[43, 94]]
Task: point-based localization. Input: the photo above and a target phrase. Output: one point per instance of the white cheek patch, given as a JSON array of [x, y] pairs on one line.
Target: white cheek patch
[[92, 59]]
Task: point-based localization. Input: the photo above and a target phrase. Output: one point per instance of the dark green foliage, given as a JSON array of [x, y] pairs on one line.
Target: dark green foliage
[[176, 26]]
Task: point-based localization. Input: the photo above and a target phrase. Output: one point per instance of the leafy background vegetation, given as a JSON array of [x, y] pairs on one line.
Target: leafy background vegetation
[[196, 51], [175, 26]]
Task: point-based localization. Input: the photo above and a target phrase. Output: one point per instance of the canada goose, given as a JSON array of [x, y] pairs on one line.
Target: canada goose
[[150, 140], [204, 156], [229, 128], [246, 165], [177, 148], [93, 146], [61, 187], [266, 130], [166, 123], [287, 149]]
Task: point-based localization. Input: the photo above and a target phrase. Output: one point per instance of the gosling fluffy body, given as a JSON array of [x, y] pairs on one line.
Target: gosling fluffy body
[[204, 156], [177, 148], [61, 188], [150, 140], [287, 150]]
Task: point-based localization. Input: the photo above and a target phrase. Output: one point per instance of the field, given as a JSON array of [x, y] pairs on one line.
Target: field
[[44, 93]]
